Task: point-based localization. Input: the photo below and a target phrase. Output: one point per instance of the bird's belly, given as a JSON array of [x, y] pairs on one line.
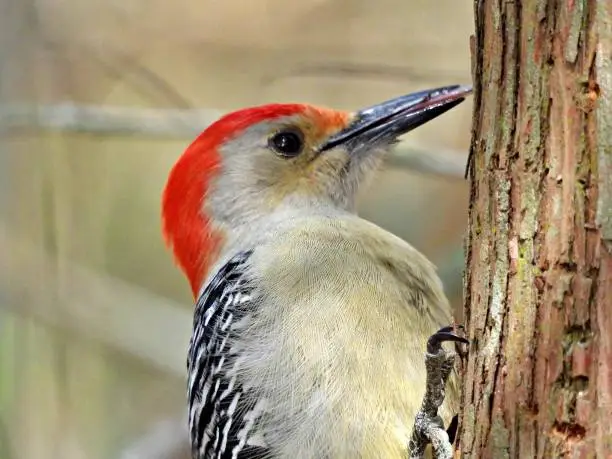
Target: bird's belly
[[345, 404]]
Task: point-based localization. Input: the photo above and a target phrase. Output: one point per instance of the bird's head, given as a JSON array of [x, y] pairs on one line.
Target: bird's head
[[254, 161]]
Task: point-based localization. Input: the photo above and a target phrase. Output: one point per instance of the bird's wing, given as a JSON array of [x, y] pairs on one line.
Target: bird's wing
[[221, 412]]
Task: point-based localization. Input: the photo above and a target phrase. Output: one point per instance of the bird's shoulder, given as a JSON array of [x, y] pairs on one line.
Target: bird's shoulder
[[340, 243]]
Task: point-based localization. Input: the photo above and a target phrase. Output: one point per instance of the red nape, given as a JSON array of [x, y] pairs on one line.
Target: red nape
[[186, 228]]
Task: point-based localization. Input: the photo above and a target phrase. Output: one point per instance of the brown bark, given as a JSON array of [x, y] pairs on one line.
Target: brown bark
[[538, 305]]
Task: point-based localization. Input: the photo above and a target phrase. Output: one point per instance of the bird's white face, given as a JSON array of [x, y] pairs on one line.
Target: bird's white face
[[281, 162]]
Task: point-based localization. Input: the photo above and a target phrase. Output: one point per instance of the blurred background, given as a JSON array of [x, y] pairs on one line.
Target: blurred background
[[97, 100]]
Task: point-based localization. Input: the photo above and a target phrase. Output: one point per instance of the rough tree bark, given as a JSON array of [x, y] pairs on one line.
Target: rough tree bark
[[538, 381]]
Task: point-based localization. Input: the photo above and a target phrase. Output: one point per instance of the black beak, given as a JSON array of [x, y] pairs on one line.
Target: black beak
[[389, 120]]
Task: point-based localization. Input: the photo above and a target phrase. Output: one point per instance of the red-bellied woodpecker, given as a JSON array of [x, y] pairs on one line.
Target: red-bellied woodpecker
[[309, 321]]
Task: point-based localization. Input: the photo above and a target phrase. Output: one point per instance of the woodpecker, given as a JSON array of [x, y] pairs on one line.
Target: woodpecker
[[309, 321]]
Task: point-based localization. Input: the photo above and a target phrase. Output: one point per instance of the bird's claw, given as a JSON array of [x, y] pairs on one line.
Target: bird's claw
[[434, 343], [428, 425]]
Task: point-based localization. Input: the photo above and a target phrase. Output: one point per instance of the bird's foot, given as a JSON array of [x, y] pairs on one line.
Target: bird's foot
[[428, 425]]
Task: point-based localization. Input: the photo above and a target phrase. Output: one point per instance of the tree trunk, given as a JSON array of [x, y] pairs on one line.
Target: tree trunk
[[538, 305]]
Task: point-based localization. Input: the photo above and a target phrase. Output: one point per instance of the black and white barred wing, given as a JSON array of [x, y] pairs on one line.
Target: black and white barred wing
[[221, 412]]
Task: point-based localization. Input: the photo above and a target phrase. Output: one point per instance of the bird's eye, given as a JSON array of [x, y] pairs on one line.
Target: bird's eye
[[287, 143]]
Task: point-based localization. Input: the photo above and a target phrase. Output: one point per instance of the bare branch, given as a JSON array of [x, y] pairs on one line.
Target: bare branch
[[106, 120], [445, 163], [367, 71], [184, 123], [122, 316]]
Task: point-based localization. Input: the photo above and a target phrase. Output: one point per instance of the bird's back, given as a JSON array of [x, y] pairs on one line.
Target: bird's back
[[330, 351]]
